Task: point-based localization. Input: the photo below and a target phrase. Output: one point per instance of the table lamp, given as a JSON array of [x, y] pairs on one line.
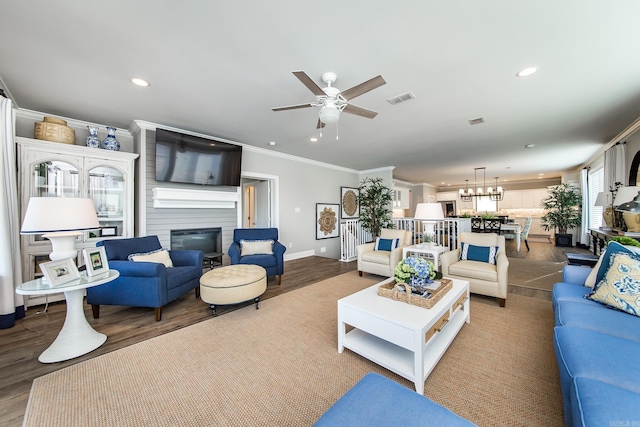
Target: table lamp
[[604, 199], [62, 219], [628, 202], [429, 211]]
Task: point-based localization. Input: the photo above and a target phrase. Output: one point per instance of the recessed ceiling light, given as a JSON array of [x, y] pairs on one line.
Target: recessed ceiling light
[[272, 143], [526, 72], [313, 139], [540, 174], [140, 82], [529, 145]]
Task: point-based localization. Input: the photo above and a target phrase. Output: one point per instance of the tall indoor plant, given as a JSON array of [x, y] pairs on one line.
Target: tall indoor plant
[[374, 199], [562, 212]]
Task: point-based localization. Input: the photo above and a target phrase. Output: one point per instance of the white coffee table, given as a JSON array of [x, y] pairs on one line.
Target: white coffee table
[[432, 251], [404, 338], [76, 337]]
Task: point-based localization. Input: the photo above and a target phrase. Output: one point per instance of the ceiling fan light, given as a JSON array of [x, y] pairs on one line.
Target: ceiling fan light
[[329, 115]]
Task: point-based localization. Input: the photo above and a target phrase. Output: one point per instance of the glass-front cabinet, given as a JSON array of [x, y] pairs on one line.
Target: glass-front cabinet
[[51, 169]]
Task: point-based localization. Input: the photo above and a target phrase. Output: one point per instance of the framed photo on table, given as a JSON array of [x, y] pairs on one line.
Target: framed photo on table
[[60, 271], [327, 220], [350, 208], [95, 259]]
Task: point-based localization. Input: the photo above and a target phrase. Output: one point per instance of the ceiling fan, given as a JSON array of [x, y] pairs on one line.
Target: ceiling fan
[[333, 101]]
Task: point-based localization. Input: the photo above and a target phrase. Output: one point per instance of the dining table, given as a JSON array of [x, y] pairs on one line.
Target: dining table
[[514, 228]]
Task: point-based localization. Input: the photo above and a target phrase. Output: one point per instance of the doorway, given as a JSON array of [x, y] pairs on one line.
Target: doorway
[[259, 196]]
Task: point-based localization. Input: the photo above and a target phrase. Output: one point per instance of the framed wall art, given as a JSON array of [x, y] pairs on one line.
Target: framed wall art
[[350, 208], [327, 224], [60, 271], [108, 231], [95, 259]]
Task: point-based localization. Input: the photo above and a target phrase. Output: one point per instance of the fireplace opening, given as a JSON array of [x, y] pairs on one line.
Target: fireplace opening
[[207, 240]]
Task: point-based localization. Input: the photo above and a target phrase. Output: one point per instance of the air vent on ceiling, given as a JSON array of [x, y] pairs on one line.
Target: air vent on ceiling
[[477, 121], [401, 98]]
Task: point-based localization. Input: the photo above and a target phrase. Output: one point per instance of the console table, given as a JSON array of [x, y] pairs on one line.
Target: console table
[[76, 337], [599, 238]]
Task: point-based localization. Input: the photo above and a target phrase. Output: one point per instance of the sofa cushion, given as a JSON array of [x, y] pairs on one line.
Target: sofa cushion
[[620, 287], [160, 256], [256, 247], [265, 261], [178, 276], [478, 253], [596, 403], [385, 244], [589, 354], [376, 257], [475, 270], [597, 317]]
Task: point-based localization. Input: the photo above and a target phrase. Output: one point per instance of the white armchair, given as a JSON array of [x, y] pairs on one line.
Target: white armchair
[[484, 278], [382, 263]]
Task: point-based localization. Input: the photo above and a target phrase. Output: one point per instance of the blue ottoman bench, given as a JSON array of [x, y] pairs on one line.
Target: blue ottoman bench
[[378, 401]]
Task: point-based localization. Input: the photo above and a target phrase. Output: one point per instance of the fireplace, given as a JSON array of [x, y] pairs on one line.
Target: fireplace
[[207, 240]]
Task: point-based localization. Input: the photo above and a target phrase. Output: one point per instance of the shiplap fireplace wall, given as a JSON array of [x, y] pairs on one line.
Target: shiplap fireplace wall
[[169, 206]]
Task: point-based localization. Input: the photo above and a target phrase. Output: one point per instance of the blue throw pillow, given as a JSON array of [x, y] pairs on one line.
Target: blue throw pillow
[[479, 253], [613, 248], [386, 244]]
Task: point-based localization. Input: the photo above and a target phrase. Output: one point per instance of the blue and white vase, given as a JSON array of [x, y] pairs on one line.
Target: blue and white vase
[[110, 142], [92, 140]]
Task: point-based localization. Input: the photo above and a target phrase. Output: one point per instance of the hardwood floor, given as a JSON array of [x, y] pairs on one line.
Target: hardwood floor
[[124, 326]]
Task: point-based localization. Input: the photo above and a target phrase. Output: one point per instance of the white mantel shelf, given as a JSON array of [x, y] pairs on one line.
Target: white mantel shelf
[[198, 199]]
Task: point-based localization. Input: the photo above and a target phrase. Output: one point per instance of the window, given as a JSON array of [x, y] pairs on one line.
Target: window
[[596, 185]]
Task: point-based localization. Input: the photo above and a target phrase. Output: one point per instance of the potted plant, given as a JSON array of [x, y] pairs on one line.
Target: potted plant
[[562, 212], [374, 199]]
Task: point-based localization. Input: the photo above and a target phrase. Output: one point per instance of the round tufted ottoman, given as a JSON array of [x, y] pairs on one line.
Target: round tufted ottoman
[[233, 284]]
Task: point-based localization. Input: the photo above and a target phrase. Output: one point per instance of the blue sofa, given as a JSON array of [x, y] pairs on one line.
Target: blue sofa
[[377, 401], [598, 352], [145, 284], [273, 263]]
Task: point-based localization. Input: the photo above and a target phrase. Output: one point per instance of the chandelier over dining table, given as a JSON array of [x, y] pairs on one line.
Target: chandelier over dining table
[[494, 193]]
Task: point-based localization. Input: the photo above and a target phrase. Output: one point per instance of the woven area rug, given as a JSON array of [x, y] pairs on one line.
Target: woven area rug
[[279, 366]]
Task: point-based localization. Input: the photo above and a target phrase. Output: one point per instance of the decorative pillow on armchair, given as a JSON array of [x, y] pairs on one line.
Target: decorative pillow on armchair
[[620, 287], [386, 244], [478, 253], [160, 256], [256, 247]]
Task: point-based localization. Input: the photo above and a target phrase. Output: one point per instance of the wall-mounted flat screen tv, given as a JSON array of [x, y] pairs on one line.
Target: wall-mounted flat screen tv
[[189, 159]]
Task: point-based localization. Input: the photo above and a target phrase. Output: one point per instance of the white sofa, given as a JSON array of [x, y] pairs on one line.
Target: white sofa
[[484, 278], [382, 263]]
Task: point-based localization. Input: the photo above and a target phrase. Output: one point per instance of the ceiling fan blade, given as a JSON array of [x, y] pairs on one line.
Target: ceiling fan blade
[[309, 83], [320, 125], [359, 111], [291, 107], [363, 88]]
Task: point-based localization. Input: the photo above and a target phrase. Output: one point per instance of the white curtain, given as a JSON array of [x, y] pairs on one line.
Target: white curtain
[[585, 236], [11, 304], [615, 163]]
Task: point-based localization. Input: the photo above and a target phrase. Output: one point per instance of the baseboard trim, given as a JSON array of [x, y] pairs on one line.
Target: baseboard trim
[[299, 255]]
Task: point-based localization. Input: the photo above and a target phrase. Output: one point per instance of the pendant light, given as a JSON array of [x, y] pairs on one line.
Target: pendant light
[[497, 194]]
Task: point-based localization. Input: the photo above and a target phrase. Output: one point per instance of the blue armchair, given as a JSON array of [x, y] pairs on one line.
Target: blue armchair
[[273, 263], [145, 284]]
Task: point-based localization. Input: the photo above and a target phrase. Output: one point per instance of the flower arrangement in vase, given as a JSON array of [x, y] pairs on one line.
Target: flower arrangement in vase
[[418, 273]]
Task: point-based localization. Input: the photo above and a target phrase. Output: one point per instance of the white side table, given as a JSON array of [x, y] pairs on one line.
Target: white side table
[[431, 251], [76, 337]]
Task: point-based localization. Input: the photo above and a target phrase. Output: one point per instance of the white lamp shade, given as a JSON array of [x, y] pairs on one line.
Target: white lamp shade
[[603, 199], [429, 211], [53, 214], [626, 194], [329, 114]]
